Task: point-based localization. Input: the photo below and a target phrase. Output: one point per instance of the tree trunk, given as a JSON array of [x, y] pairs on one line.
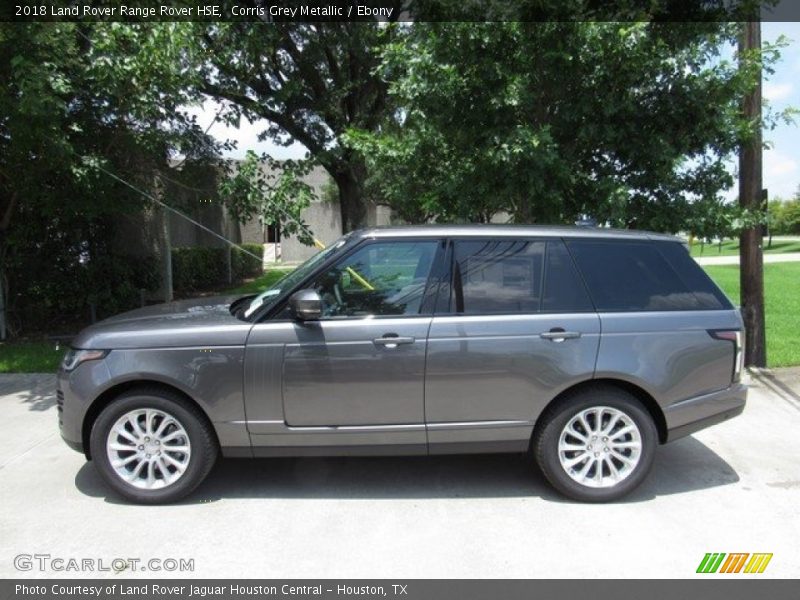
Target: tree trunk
[[2, 301], [751, 260], [5, 225], [352, 205]]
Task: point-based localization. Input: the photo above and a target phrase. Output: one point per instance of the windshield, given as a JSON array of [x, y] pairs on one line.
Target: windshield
[[269, 295]]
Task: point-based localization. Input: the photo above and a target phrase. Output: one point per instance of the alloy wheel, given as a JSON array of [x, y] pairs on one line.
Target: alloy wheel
[[148, 448], [599, 447]]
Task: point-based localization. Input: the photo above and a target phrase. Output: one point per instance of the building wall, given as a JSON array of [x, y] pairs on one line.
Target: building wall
[[321, 216], [324, 220], [184, 233]]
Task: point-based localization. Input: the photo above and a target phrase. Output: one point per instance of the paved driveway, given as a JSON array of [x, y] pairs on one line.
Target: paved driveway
[[710, 259], [732, 488]]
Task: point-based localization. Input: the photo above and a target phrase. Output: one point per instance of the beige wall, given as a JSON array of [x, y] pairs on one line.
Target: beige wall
[[324, 220]]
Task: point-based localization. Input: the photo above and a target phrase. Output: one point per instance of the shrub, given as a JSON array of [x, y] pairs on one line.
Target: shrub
[[244, 265], [59, 297], [199, 268]]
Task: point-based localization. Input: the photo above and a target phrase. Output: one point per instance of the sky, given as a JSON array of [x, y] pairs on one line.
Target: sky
[[781, 90]]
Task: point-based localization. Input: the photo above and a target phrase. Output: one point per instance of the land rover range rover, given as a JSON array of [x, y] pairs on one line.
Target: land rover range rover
[[586, 347]]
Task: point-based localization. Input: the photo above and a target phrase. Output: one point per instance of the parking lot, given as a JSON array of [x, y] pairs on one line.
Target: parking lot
[[731, 488]]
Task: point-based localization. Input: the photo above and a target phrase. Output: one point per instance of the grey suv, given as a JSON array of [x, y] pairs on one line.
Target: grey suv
[[586, 347]]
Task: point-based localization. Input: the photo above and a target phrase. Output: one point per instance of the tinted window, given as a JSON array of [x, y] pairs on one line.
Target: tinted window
[[699, 283], [383, 278], [630, 275], [494, 276], [563, 289]]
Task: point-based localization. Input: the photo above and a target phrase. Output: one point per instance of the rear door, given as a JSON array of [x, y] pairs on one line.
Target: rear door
[[516, 327]]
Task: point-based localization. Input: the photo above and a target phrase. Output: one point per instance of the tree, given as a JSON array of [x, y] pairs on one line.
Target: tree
[[630, 123], [711, 219], [312, 82], [784, 216], [277, 195], [70, 102]]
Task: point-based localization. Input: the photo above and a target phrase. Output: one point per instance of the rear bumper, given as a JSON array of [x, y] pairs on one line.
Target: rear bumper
[[687, 416]]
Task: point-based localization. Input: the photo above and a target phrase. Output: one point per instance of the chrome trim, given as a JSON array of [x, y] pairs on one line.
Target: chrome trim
[[478, 424]]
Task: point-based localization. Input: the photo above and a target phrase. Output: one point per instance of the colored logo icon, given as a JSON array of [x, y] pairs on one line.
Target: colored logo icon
[[737, 562]]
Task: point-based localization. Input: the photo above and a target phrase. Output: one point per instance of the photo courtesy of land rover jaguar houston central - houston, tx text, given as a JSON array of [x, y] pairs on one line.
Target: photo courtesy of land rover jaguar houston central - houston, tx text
[[586, 347]]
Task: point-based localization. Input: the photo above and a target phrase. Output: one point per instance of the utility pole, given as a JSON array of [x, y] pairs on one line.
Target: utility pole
[[751, 259]]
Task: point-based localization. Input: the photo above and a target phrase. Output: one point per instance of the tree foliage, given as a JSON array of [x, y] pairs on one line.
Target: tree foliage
[[630, 123], [273, 191], [71, 99], [311, 82], [784, 216]]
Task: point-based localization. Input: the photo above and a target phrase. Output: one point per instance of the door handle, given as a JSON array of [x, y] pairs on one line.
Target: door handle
[[392, 341], [557, 335]]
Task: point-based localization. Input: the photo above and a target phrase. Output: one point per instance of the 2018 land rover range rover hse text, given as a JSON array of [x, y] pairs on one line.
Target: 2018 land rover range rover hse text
[[588, 347]]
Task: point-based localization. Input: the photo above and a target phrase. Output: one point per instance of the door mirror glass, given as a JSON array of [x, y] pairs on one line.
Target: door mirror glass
[[306, 305]]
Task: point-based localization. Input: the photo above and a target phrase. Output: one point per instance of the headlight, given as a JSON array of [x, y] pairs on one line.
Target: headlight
[[75, 357]]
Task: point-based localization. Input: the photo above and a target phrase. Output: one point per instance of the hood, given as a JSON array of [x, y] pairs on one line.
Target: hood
[[195, 322]]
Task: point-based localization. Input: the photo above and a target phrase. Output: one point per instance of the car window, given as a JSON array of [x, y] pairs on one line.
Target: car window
[[564, 291], [699, 283], [630, 275], [379, 279], [271, 294], [496, 277]]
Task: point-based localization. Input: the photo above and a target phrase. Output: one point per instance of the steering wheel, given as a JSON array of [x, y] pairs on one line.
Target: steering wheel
[[332, 300]]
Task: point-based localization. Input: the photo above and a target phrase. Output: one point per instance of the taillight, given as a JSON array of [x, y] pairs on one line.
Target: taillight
[[737, 338]]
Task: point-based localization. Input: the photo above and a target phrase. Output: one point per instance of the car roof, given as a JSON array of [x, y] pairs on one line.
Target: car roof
[[510, 231]]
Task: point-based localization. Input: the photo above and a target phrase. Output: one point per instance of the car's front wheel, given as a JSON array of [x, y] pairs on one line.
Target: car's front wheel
[[152, 446], [596, 445]]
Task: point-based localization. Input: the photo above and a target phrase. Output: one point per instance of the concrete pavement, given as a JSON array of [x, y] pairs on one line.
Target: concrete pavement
[[732, 488], [734, 260]]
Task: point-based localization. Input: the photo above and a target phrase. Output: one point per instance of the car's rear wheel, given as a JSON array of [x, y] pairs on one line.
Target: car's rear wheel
[[596, 445], [152, 446]]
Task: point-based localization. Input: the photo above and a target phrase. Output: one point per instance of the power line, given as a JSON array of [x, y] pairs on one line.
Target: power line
[[173, 210]]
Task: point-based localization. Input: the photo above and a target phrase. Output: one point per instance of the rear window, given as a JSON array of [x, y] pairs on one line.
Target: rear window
[[695, 278], [644, 276]]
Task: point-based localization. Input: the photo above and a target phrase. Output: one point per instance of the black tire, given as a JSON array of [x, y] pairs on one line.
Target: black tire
[[545, 442], [204, 447]]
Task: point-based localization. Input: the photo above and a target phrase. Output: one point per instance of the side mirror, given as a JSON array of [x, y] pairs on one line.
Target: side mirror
[[306, 305]]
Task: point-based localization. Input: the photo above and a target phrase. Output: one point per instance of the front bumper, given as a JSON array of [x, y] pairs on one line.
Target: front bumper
[[687, 416], [75, 391]]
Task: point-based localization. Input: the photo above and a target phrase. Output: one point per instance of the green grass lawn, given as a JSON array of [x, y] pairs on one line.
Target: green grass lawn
[[30, 357], [731, 248], [782, 298], [259, 284]]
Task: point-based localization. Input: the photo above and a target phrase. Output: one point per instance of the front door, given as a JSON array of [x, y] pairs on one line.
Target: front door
[[363, 363], [356, 376]]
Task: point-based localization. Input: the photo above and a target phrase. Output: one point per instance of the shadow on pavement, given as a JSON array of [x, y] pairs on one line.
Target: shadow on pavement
[[779, 386], [684, 466], [37, 390]]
